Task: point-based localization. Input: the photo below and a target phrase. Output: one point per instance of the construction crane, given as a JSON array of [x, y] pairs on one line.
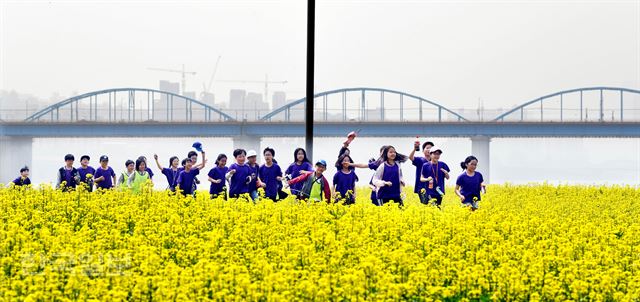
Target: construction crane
[[266, 83], [183, 72], [207, 89]]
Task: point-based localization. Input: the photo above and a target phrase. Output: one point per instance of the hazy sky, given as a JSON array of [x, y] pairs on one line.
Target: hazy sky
[[455, 52]]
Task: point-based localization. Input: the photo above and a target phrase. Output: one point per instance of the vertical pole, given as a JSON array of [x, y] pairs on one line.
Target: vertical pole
[[401, 108], [344, 106], [601, 107], [561, 106], [621, 107], [581, 105], [363, 107], [382, 106], [311, 20]]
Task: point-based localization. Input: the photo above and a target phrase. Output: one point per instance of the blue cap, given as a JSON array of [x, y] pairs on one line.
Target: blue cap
[[322, 162], [197, 146]]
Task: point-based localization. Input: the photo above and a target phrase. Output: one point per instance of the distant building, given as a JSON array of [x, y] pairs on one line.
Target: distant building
[[279, 99], [163, 103]]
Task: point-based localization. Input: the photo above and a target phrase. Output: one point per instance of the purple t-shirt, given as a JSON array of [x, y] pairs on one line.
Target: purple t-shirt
[[294, 170], [22, 182], [82, 172], [433, 170], [185, 180], [418, 162], [269, 176], [392, 174], [239, 182], [108, 173], [345, 182], [172, 177], [253, 185], [218, 173], [150, 172], [470, 185], [373, 165]]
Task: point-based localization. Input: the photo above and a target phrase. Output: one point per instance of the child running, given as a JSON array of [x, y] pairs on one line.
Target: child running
[[170, 173], [420, 187], [470, 183], [388, 177], [239, 175], [86, 172], [140, 178], [270, 175], [105, 176], [216, 177], [123, 180], [434, 173], [315, 186], [344, 181], [300, 165], [372, 165], [186, 178]]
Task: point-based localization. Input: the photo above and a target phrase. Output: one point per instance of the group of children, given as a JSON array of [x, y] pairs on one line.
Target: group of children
[[306, 181]]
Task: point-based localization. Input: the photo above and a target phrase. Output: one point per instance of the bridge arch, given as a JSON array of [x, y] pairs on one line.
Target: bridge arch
[[132, 107], [603, 95], [364, 111]]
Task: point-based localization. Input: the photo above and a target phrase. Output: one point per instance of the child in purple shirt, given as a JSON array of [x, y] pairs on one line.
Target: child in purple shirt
[[170, 173], [105, 177], [86, 172], [68, 176], [23, 179], [239, 175], [470, 183], [420, 187], [344, 181], [270, 175], [185, 180], [300, 165], [217, 177]]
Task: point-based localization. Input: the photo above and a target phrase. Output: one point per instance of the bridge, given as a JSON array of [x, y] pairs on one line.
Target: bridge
[[131, 112]]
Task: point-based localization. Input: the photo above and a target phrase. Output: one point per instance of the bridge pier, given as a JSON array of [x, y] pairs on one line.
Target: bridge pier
[[247, 142], [15, 153], [480, 148]]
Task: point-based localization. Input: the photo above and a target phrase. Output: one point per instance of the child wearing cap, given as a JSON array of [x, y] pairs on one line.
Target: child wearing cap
[[434, 173], [270, 175], [123, 180], [23, 179], [252, 158], [315, 186], [239, 175], [68, 176], [470, 183], [388, 177], [418, 161], [86, 172], [105, 177]]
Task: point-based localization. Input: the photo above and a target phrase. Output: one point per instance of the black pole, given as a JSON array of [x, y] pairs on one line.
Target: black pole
[[308, 114]]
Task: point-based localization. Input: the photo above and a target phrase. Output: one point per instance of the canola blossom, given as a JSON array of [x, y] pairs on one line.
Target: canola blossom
[[524, 243]]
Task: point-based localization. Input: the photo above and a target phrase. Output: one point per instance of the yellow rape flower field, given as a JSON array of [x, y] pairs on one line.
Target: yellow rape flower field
[[539, 242]]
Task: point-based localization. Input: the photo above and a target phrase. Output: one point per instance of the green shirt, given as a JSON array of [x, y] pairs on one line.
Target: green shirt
[[316, 191]]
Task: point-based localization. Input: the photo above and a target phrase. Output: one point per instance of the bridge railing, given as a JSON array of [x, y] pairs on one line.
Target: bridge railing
[[591, 104], [129, 105]]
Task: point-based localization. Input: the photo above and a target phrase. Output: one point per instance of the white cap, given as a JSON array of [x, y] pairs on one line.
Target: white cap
[[251, 153], [435, 149]]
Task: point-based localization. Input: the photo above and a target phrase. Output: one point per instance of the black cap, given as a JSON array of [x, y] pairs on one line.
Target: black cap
[[104, 158]]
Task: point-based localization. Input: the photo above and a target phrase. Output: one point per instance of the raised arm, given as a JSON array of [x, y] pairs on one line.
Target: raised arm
[[155, 156]]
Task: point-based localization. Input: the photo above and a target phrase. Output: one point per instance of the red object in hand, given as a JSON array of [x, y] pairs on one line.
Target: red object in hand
[[350, 137]]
